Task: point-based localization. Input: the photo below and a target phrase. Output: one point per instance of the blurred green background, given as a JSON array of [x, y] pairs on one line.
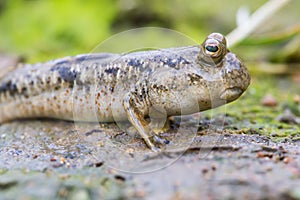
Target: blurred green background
[[39, 30]]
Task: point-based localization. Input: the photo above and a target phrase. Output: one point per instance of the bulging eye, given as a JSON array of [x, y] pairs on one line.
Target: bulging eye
[[212, 48]]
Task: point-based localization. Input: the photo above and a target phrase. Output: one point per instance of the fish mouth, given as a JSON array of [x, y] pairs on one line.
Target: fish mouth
[[231, 94]]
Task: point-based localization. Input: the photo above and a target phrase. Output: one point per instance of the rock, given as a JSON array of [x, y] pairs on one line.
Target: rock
[[296, 99], [269, 100], [288, 117]]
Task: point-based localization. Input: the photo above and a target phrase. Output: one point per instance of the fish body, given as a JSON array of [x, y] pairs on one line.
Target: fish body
[[108, 87]]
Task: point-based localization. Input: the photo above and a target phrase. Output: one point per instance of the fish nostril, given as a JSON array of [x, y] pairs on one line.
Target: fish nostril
[[231, 93]]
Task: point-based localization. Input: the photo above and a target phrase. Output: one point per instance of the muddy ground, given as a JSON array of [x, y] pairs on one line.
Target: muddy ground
[[246, 150]]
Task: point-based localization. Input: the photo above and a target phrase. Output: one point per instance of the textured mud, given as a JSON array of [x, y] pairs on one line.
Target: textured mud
[[54, 159]]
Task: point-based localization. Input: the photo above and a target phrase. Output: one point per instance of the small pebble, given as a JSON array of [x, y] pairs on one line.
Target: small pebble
[[213, 167], [287, 160], [204, 170], [269, 101], [98, 164], [62, 160], [287, 117], [264, 155], [296, 99], [52, 159]]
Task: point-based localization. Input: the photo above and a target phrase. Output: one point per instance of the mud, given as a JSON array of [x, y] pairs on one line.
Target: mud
[[55, 159]]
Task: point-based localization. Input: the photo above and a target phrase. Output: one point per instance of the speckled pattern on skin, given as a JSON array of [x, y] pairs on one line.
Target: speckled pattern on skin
[[111, 87]]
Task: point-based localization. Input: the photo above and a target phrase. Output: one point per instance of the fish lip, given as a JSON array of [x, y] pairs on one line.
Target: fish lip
[[231, 94]]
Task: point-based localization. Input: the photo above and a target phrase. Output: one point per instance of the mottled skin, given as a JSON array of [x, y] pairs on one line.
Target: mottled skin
[[112, 87]]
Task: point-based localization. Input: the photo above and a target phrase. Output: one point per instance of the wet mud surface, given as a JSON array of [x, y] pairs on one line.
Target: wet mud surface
[[56, 159]]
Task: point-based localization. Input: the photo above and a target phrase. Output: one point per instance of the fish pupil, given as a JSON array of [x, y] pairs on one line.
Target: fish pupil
[[212, 48]]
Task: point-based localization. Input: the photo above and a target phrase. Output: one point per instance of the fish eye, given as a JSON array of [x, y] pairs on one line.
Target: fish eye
[[212, 48]]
